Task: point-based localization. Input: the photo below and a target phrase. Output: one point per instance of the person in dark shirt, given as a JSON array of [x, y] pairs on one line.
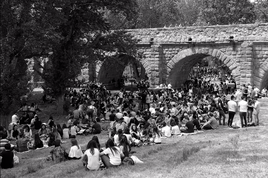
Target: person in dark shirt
[[7, 157], [37, 123], [96, 128]]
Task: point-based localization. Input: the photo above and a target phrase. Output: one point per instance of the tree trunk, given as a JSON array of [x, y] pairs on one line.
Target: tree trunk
[[60, 103]]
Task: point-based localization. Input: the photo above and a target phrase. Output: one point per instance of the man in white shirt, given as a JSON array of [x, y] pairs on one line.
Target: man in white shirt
[[232, 105], [243, 109]]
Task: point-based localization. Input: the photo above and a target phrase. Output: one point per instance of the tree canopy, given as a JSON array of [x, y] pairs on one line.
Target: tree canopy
[[66, 32]]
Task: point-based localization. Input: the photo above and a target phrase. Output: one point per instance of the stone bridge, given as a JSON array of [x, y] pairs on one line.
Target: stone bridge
[[168, 54]]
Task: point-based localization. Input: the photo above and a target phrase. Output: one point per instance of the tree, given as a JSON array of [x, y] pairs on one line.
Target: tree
[[218, 12], [157, 13], [190, 11], [261, 10], [15, 47], [74, 32]]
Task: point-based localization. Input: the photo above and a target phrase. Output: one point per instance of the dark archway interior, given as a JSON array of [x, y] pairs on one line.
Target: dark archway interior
[[112, 69], [264, 83], [181, 70]]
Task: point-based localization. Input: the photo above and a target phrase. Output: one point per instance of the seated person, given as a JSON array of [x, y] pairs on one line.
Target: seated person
[[157, 136], [74, 130], [22, 144], [43, 132], [91, 158], [58, 153], [175, 130], [15, 132], [166, 130], [27, 132], [212, 123], [65, 131], [3, 142], [75, 151], [189, 126], [7, 157], [111, 156], [36, 143], [51, 139], [96, 128]]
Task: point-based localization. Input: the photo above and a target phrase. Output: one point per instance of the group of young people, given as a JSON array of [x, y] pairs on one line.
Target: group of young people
[[138, 118]]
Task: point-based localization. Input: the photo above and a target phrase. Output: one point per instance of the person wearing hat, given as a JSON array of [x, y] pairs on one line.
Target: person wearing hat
[[7, 157]]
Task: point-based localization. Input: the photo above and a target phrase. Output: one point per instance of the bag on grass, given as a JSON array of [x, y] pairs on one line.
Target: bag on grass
[[16, 159]]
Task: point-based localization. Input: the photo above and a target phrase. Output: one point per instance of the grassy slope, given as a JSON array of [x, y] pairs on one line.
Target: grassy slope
[[219, 153]]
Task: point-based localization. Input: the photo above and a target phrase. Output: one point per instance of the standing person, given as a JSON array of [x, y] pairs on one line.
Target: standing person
[[256, 111], [243, 109], [221, 107], [232, 105]]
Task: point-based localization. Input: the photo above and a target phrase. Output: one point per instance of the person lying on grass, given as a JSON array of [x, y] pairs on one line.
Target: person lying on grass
[[75, 151], [91, 158], [111, 156]]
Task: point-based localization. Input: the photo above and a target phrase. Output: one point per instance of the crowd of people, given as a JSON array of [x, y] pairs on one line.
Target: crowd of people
[[137, 118]]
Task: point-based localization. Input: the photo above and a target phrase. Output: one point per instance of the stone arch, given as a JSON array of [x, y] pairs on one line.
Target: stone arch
[[261, 79], [180, 65], [113, 67]]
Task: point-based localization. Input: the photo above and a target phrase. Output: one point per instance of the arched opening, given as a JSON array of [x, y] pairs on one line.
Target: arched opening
[[120, 69], [182, 64]]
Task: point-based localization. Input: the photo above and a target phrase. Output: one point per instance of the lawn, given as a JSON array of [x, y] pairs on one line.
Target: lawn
[[219, 153]]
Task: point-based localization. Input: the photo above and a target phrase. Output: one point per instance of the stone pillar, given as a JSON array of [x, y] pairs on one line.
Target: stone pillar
[[245, 56], [155, 57]]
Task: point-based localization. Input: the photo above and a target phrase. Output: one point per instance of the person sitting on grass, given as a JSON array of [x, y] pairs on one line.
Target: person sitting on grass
[[212, 123], [189, 126], [51, 139], [75, 151], [111, 156], [125, 147], [157, 136], [96, 128], [58, 153], [37, 143], [27, 132], [22, 143], [7, 157], [91, 158], [118, 136], [96, 139], [166, 130], [65, 132], [15, 132], [74, 130], [3, 140]]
